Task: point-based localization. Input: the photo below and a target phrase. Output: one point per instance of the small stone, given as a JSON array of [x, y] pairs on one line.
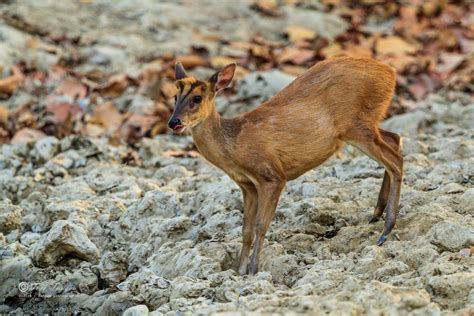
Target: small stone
[[450, 236], [113, 267], [61, 240], [10, 217], [138, 310], [46, 148]]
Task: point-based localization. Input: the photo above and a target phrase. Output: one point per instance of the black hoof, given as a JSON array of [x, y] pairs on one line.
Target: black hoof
[[374, 219], [381, 240]]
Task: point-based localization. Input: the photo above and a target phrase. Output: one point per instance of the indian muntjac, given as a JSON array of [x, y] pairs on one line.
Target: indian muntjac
[[337, 101]]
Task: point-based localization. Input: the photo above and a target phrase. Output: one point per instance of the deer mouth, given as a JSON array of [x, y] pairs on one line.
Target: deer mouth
[[179, 128]]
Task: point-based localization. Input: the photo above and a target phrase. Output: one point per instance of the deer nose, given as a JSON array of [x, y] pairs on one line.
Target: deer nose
[[173, 122]]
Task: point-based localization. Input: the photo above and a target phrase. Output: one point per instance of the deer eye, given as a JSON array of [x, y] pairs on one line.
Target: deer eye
[[197, 99], [175, 98]]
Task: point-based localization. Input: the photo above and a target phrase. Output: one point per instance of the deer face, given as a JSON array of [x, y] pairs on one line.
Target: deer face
[[195, 98]]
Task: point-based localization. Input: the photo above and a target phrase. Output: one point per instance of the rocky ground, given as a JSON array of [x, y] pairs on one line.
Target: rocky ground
[[151, 228], [86, 232]]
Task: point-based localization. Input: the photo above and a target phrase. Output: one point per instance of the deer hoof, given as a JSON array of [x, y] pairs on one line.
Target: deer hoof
[[381, 240], [374, 219]]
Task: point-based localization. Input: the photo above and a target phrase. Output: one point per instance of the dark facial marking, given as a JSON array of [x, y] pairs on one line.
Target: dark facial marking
[[181, 87]]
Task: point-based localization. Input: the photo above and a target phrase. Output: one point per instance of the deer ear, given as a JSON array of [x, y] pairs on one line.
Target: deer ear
[[179, 71], [223, 77]]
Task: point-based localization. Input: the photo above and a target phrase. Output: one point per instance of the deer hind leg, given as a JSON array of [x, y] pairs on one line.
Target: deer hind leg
[[249, 193], [393, 140], [373, 144]]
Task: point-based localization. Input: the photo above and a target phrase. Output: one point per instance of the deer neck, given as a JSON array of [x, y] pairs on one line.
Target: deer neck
[[210, 138]]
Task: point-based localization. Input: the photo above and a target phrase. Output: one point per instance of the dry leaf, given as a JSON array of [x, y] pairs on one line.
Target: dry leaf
[[221, 61], [72, 88], [107, 116], [180, 153], [191, 61], [168, 89], [449, 62], [267, 7], [351, 50], [149, 81], [26, 135], [63, 112], [136, 126], [418, 90], [10, 84], [296, 56], [357, 51], [294, 70], [35, 43], [115, 86], [332, 50], [24, 117], [4, 114], [395, 46], [298, 33], [93, 130]]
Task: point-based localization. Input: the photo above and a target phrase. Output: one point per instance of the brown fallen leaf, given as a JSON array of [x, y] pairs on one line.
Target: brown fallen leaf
[[63, 112], [191, 61], [73, 88], [351, 50], [296, 33], [296, 56], [149, 81], [424, 85], [448, 63], [418, 90], [400, 63], [93, 130], [357, 51], [26, 135], [107, 116], [267, 7], [293, 70], [136, 126], [408, 23], [462, 80], [181, 153], [4, 136], [35, 43], [332, 50], [395, 46], [24, 117], [115, 86], [4, 114], [10, 84], [221, 61], [168, 89]]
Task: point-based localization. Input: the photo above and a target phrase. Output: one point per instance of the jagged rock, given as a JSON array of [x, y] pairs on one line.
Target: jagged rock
[[46, 148], [451, 236], [10, 217], [138, 310], [116, 303], [451, 287], [13, 271], [61, 240], [113, 267]]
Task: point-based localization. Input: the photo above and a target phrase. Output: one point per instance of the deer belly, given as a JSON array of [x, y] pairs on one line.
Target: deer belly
[[308, 157]]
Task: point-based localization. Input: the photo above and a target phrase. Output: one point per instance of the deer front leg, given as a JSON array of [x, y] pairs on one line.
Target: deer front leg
[[268, 195], [249, 194]]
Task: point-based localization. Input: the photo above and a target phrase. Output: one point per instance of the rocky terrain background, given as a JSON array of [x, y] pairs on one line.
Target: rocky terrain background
[[102, 211]]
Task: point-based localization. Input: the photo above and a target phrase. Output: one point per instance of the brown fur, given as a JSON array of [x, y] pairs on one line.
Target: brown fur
[[337, 101]]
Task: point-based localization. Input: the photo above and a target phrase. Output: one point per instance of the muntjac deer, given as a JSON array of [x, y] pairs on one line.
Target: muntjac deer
[[337, 101]]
